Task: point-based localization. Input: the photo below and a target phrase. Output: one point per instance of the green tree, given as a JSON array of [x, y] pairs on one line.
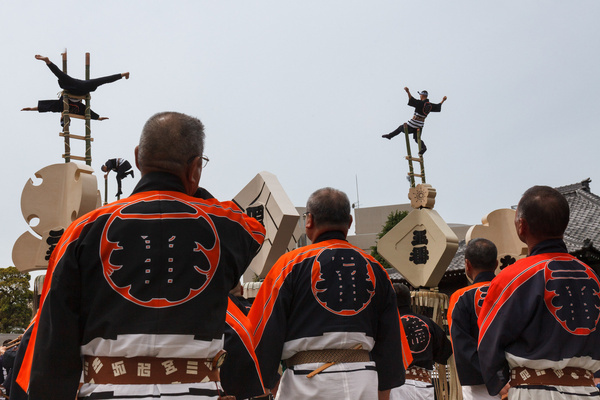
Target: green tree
[[393, 219], [15, 299]]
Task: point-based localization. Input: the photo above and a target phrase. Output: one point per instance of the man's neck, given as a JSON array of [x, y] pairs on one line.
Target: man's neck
[[532, 242]]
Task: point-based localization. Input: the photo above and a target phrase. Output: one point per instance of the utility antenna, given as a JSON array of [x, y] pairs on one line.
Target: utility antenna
[[357, 204]]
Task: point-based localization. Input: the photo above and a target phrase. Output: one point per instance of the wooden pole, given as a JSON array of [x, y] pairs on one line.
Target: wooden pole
[[105, 190], [419, 131], [411, 171], [64, 61], [88, 116], [65, 114], [17, 340]]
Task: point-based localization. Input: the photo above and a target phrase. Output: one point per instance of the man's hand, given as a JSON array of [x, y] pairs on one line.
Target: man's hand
[[383, 394]]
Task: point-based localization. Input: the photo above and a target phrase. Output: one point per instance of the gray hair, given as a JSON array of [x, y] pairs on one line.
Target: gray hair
[[169, 141], [329, 208]]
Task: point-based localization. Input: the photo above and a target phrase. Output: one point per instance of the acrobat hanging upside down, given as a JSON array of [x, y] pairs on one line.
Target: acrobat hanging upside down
[[422, 108]]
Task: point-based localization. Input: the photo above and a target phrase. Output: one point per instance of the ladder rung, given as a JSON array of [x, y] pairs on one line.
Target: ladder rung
[[78, 158], [417, 175], [77, 116], [72, 96], [69, 135], [414, 159]]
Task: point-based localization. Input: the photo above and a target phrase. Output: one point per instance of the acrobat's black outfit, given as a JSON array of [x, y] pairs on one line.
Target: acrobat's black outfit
[[80, 87], [122, 167], [422, 109], [57, 106]]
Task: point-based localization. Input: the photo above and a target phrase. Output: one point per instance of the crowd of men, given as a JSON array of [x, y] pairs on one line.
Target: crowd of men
[[137, 303]]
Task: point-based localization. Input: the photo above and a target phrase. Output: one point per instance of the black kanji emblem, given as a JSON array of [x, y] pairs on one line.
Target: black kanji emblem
[[53, 238], [345, 281], [419, 237], [159, 252], [419, 255], [417, 333], [573, 295], [257, 212]]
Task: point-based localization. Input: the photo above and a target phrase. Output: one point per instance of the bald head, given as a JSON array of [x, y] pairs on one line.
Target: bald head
[[546, 212], [169, 142]]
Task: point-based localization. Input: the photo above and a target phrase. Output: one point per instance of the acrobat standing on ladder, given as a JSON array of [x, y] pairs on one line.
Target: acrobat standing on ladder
[[422, 108]]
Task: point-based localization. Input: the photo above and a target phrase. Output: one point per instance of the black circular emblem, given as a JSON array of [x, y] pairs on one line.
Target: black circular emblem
[[343, 281]]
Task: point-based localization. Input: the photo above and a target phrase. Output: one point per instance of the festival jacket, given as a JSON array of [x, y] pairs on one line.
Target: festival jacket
[[148, 275], [463, 310], [427, 340], [540, 312], [16, 391], [328, 295], [240, 374], [422, 110]]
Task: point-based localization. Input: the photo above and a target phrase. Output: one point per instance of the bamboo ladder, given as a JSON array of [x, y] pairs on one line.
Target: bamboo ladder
[[66, 115], [411, 159]]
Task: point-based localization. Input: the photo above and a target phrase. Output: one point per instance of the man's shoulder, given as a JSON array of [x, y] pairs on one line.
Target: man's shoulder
[[467, 290], [524, 273], [142, 202], [343, 244], [407, 317], [538, 261], [316, 249]]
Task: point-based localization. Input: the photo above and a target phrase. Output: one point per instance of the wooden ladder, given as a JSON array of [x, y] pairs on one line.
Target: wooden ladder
[[410, 158], [66, 116]]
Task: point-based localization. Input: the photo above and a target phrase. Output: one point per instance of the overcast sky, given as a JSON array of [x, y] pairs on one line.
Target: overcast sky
[[305, 89]]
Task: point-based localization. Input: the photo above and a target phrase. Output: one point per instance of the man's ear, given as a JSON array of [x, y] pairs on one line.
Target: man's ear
[[468, 268], [135, 152], [309, 223], [192, 173], [196, 171], [522, 228]]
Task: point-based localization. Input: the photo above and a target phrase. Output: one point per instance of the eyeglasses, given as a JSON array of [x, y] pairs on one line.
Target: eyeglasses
[[205, 160], [306, 214]]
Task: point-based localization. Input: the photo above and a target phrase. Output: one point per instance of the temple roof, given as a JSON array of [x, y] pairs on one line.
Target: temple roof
[[582, 234], [584, 222]]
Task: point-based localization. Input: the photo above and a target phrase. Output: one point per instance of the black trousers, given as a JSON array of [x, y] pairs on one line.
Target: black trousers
[[122, 173], [412, 130], [80, 87]]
